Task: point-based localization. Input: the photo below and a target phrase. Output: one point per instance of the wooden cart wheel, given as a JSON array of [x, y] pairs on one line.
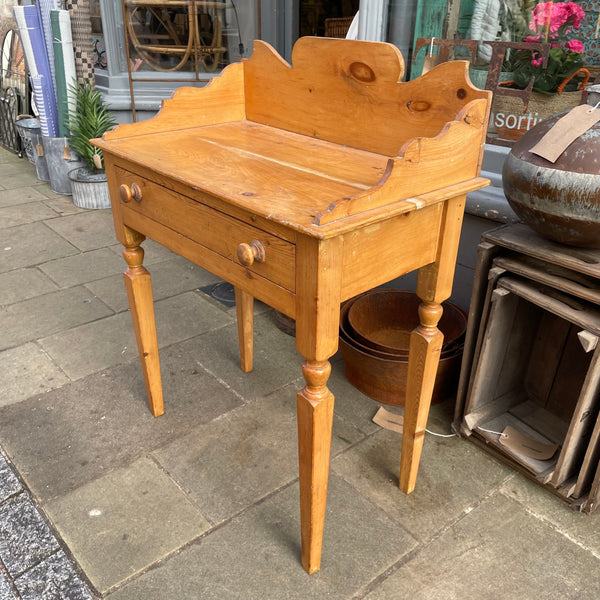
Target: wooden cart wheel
[[210, 45], [144, 51]]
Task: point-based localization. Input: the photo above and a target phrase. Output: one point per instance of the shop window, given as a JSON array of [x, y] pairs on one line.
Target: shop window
[[167, 44]]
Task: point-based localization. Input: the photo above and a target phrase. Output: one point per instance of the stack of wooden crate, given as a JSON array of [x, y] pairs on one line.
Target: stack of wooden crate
[[531, 363]]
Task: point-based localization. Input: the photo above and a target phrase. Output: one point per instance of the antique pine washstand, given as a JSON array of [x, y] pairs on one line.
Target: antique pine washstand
[[303, 186]]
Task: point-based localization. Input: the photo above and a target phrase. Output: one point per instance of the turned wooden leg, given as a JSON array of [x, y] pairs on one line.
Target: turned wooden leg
[[315, 419], [434, 285], [139, 292], [424, 356], [244, 306]]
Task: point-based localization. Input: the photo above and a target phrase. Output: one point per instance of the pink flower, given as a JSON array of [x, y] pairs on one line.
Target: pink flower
[[540, 16], [549, 13], [575, 14], [556, 16], [532, 39], [575, 46], [537, 62]]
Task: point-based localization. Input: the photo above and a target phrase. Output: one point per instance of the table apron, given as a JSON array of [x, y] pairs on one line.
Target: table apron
[[397, 246]]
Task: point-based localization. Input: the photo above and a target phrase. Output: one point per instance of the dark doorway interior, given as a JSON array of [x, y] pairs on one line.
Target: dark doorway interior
[[315, 13]]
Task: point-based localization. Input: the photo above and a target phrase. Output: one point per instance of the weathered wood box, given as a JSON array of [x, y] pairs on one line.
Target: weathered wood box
[[532, 363]]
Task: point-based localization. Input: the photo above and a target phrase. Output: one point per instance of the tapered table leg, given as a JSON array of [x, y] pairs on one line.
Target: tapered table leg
[[424, 356], [434, 285], [244, 306], [315, 418], [141, 305]]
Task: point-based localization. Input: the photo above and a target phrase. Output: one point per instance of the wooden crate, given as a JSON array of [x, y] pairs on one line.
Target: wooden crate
[[534, 375], [534, 303], [518, 249]]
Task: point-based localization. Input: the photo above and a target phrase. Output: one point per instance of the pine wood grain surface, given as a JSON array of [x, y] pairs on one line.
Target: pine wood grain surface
[[304, 185]]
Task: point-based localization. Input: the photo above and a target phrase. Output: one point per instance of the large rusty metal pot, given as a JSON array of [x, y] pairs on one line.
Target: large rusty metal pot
[[382, 375], [560, 200]]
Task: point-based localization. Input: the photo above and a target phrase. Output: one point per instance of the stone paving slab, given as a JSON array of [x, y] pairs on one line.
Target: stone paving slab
[[9, 483], [452, 476], [89, 348], [11, 216], [31, 244], [22, 195], [61, 205], [232, 463], [351, 405], [46, 190], [82, 268], [87, 230], [22, 284], [92, 347], [498, 550], [276, 360], [11, 168], [26, 371], [583, 527], [169, 278], [125, 521], [48, 314], [19, 179], [256, 556], [72, 435]]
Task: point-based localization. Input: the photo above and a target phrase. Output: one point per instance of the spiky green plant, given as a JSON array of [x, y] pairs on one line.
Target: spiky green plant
[[90, 119]]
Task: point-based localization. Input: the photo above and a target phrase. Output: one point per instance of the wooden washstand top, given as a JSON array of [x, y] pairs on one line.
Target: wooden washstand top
[[245, 133]]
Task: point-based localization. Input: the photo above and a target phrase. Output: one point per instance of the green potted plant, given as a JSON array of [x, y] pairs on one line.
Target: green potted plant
[[90, 118]]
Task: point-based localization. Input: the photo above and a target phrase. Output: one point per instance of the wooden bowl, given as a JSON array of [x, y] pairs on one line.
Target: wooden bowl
[[383, 319]]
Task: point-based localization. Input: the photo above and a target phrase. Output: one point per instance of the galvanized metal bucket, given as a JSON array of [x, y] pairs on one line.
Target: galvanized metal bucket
[[31, 139], [60, 159]]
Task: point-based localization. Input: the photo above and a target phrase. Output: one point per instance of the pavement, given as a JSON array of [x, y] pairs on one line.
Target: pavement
[[98, 499]]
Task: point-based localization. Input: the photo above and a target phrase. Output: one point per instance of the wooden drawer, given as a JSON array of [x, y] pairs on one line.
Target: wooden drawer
[[211, 228]]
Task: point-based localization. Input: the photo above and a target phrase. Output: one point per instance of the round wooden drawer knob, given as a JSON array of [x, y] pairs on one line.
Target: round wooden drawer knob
[[130, 193], [249, 253]]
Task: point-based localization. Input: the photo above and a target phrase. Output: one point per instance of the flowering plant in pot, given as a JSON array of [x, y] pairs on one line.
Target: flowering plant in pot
[[89, 118], [554, 23], [558, 84]]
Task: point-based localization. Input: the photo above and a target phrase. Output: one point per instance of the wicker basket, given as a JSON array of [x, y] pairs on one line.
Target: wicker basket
[[511, 120], [338, 27]]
